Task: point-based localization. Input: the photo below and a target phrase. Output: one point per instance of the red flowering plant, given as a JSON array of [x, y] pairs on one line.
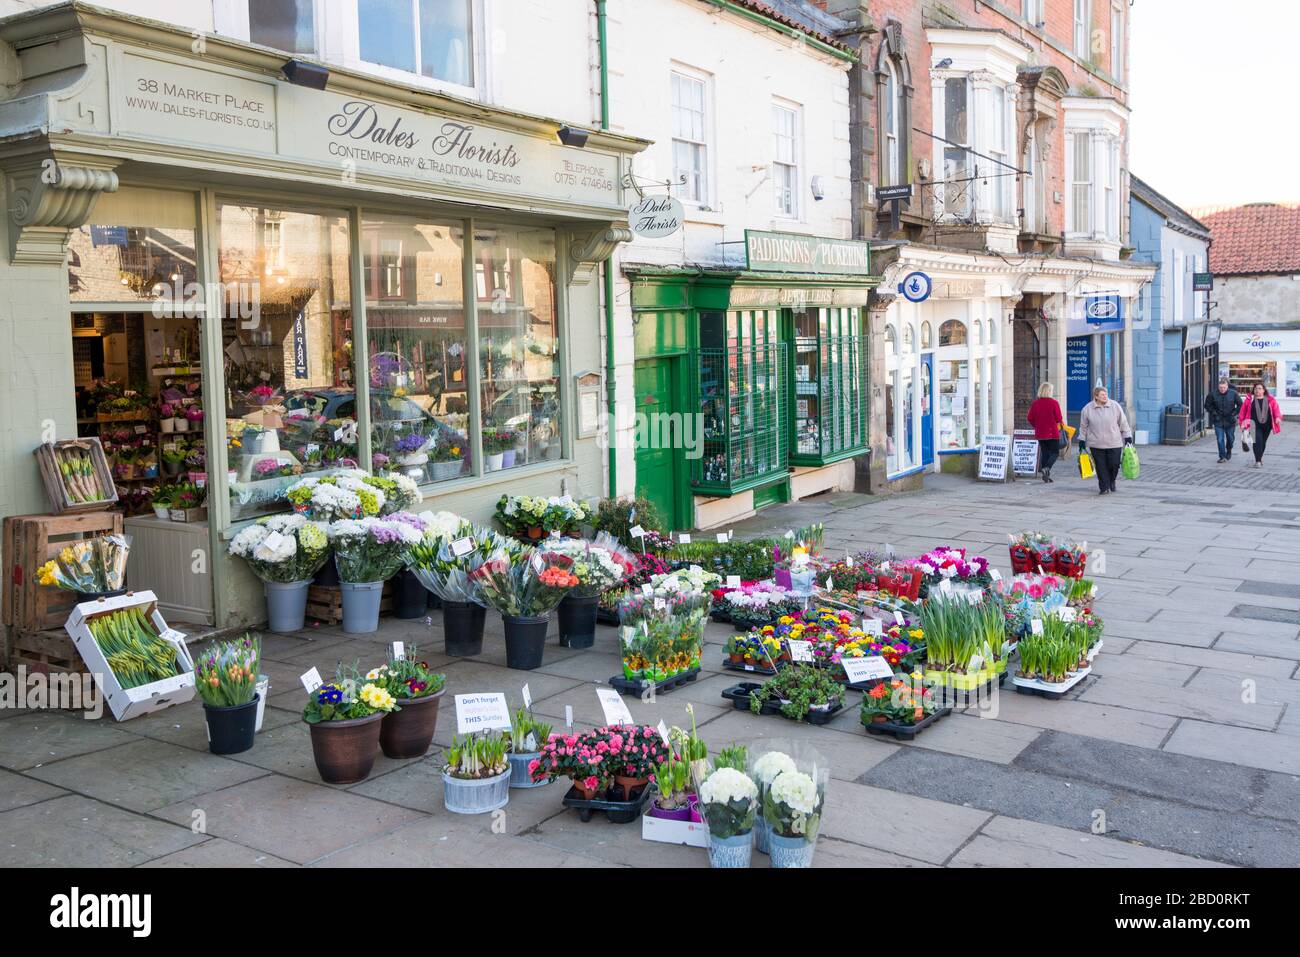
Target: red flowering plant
[[903, 700], [594, 758], [526, 585]]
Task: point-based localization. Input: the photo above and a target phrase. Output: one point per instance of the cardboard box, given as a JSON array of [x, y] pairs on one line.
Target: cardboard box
[[693, 833], [127, 703], [199, 514]]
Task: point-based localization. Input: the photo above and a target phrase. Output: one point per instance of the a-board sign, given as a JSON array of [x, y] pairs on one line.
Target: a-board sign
[[995, 453], [1024, 453]]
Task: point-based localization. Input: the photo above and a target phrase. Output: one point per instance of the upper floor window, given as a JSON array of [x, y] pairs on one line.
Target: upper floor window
[[432, 38], [690, 137], [891, 119], [1000, 149], [1081, 184], [1083, 29], [956, 151], [785, 164], [288, 25], [1117, 42], [1032, 11]]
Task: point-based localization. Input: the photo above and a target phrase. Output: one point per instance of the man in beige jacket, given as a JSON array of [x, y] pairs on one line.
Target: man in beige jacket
[[1104, 431]]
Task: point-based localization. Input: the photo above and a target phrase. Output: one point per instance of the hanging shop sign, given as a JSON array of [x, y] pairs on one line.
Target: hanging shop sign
[[167, 101], [916, 287], [794, 252], [1202, 282], [655, 217], [1104, 313]]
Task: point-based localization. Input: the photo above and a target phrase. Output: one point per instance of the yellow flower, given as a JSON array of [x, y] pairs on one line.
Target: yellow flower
[[377, 698], [784, 620], [916, 633], [67, 556]]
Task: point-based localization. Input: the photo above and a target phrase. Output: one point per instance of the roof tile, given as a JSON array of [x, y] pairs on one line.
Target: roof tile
[[1255, 238]]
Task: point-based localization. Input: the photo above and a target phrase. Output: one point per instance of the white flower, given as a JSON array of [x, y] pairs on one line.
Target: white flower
[[247, 539], [772, 764], [346, 528], [727, 784], [284, 549], [796, 791]]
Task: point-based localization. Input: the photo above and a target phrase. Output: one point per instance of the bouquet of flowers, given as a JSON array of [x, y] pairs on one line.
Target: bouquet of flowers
[[693, 581], [449, 576], [335, 497], [225, 675], [372, 549], [347, 696], [399, 491], [595, 567], [524, 586], [90, 566], [282, 548], [527, 516]]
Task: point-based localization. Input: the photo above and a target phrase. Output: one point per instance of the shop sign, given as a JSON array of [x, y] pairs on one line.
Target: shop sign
[[794, 252], [959, 289], [108, 236], [172, 102], [916, 287], [1024, 453], [1103, 313], [995, 451], [758, 297], [1078, 366], [1202, 282], [655, 217]]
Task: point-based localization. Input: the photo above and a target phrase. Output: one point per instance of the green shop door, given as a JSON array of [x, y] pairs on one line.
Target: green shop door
[[661, 468]]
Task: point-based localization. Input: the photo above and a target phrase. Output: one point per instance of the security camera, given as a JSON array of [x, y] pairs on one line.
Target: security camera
[[818, 190]]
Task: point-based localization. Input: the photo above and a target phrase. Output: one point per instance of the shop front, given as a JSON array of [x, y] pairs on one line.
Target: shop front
[[1270, 356], [1200, 369], [234, 281], [751, 384], [1097, 347]]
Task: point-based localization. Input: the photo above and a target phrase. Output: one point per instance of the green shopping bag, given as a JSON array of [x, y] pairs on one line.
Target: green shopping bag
[[1128, 463]]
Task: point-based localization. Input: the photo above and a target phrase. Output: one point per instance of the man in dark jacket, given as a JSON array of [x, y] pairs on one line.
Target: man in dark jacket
[[1222, 407]]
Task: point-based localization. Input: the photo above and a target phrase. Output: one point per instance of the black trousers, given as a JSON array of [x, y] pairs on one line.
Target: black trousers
[[1262, 432], [1049, 450], [1106, 462]]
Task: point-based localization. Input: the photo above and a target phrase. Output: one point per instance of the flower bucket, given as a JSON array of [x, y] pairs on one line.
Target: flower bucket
[[262, 687], [475, 795], [231, 730], [731, 851], [525, 641], [286, 605], [444, 471], [495, 462], [408, 732], [409, 596], [462, 628], [361, 606], [790, 851], [519, 777], [577, 620], [508, 459], [345, 750]]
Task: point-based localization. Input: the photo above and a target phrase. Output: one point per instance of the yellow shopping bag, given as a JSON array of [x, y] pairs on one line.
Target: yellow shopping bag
[[1085, 466], [1069, 431]]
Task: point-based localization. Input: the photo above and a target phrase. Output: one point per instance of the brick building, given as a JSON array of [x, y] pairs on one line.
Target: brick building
[[1007, 265]]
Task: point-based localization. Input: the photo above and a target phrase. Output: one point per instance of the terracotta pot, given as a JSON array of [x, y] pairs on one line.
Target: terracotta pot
[[628, 785], [585, 793], [409, 732], [737, 659], [878, 719], [345, 750], [534, 532]]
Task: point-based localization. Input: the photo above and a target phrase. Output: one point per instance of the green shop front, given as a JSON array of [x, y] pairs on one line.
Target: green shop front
[[750, 382], [228, 276]]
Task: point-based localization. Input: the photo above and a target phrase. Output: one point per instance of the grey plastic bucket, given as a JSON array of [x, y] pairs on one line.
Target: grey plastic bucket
[[519, 777], [286, 605], [475, 795], [361, 606]]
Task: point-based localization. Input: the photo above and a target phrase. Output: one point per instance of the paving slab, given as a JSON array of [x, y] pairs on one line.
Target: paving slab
[[287, 750], [1009, 842], [985, 738], [216, 852], [185, 724], [914, 827], [1218, 658], [291, 819], [848, 753], [1180, 702], [1253, 748], [17, 790], [41, 737], [1111, 723], [1251, 642], [1113, 662], [76, 831]]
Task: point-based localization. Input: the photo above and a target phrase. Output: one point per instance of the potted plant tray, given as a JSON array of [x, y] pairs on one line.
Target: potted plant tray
[[606, 617], [905, 732], [618, 812], [720, 615], [740, 694], [638, 685], [1092, 652], [1053, 690], [751, 669]]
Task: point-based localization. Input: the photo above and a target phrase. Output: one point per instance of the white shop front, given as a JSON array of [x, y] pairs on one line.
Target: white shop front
[[1271, 356]]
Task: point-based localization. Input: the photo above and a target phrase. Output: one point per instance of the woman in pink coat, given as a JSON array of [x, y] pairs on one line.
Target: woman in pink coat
[[1262, 411]]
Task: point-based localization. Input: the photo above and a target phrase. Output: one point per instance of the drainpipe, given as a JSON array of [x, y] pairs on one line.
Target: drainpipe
[[607, 269]]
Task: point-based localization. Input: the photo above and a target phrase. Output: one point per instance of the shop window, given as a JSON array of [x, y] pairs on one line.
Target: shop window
[[954, 404], [1245, 375], [908, 338], [432, 38], [742, 400], [690, 136], [952, 333], [829, 417], [417, 347], [927, 341], [979, 333], [140, 248], [287, 25], [891, 340], [286, 328], [518, 342]]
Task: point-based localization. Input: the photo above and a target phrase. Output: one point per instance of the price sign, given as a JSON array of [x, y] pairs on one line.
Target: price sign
[[945, 586], [636, 531], [1036, 626], [568, 716], [1092, 592], [884, 566], [866, 669], [1066, 613], [873, 626], [485, 711], [663, 732], [615, 708], [995, 574], [722, 538], [537, 563], [528, 699], [848, 560], [683, 539], [339, 433], [647, 589], [311, 680], [972, 666], [789, 533], [201, 481], [312, 448], [660, 604], [462, 546], [140, 430], [889, 550], [898, 618], [800, 650], [733, 581], [830, 585], [273, 541], [399, 650]]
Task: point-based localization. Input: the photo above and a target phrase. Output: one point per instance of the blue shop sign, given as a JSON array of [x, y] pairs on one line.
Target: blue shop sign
[[108, 236], [1104, 313], [1078, 368]]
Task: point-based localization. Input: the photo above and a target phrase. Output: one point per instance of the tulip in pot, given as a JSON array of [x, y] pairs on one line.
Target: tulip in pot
[[408, 732], [476, 778], [346, 717], [527, 735], [226, 678], [368, 552], [524, 589], [728, 798], [285, 552]]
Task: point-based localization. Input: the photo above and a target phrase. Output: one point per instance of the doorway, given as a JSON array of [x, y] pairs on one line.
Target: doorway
[[661, 467], [927, 409]]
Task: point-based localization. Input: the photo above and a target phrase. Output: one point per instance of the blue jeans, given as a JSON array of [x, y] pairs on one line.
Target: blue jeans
[[1225, 434]]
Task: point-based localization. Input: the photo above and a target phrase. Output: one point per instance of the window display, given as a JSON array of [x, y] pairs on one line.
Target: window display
[[140, 249], [518, 345], [829, 415], [954, 404], [418, 343], [291, 404], [1244, 375]]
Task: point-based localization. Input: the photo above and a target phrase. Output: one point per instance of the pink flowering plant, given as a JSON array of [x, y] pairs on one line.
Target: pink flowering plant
[[594, 758], [952, 564]]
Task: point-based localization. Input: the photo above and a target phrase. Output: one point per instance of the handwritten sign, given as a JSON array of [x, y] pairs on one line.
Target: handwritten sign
[[800, 650], [866, 669], [484, 711], [615, 708], [311, 680], [683, 539], [399, 650], [1024, 455], [995, 451]]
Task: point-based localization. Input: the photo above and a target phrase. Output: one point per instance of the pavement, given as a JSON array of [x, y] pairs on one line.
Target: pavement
[[1182, 749]]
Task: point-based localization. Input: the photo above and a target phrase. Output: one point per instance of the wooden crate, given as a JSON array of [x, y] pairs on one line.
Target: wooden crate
[[325, 602], [29, 542], [44, 652], [60, 501]]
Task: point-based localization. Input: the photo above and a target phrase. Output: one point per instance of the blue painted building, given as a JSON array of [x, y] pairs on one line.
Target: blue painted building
[[1174, 347]]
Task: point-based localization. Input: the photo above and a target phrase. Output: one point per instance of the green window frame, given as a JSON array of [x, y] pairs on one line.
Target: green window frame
[[742, 396], [828, 395]]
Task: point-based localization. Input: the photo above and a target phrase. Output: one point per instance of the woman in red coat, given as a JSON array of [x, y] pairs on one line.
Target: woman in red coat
[[1045, 416]]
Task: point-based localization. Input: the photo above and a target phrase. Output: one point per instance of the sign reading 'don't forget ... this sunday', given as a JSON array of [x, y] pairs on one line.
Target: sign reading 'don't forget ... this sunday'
[[172, 102], [794, 252]]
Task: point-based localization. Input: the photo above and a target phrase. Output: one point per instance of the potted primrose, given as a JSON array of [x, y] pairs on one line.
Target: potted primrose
[[345, 717], [408, 731], [476, 778], [226, 678]]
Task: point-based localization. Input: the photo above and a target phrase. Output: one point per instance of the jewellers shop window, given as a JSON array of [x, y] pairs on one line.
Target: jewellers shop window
[[829, 414], [286, 330], [741, 390], [430, 38], [417, 344]]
